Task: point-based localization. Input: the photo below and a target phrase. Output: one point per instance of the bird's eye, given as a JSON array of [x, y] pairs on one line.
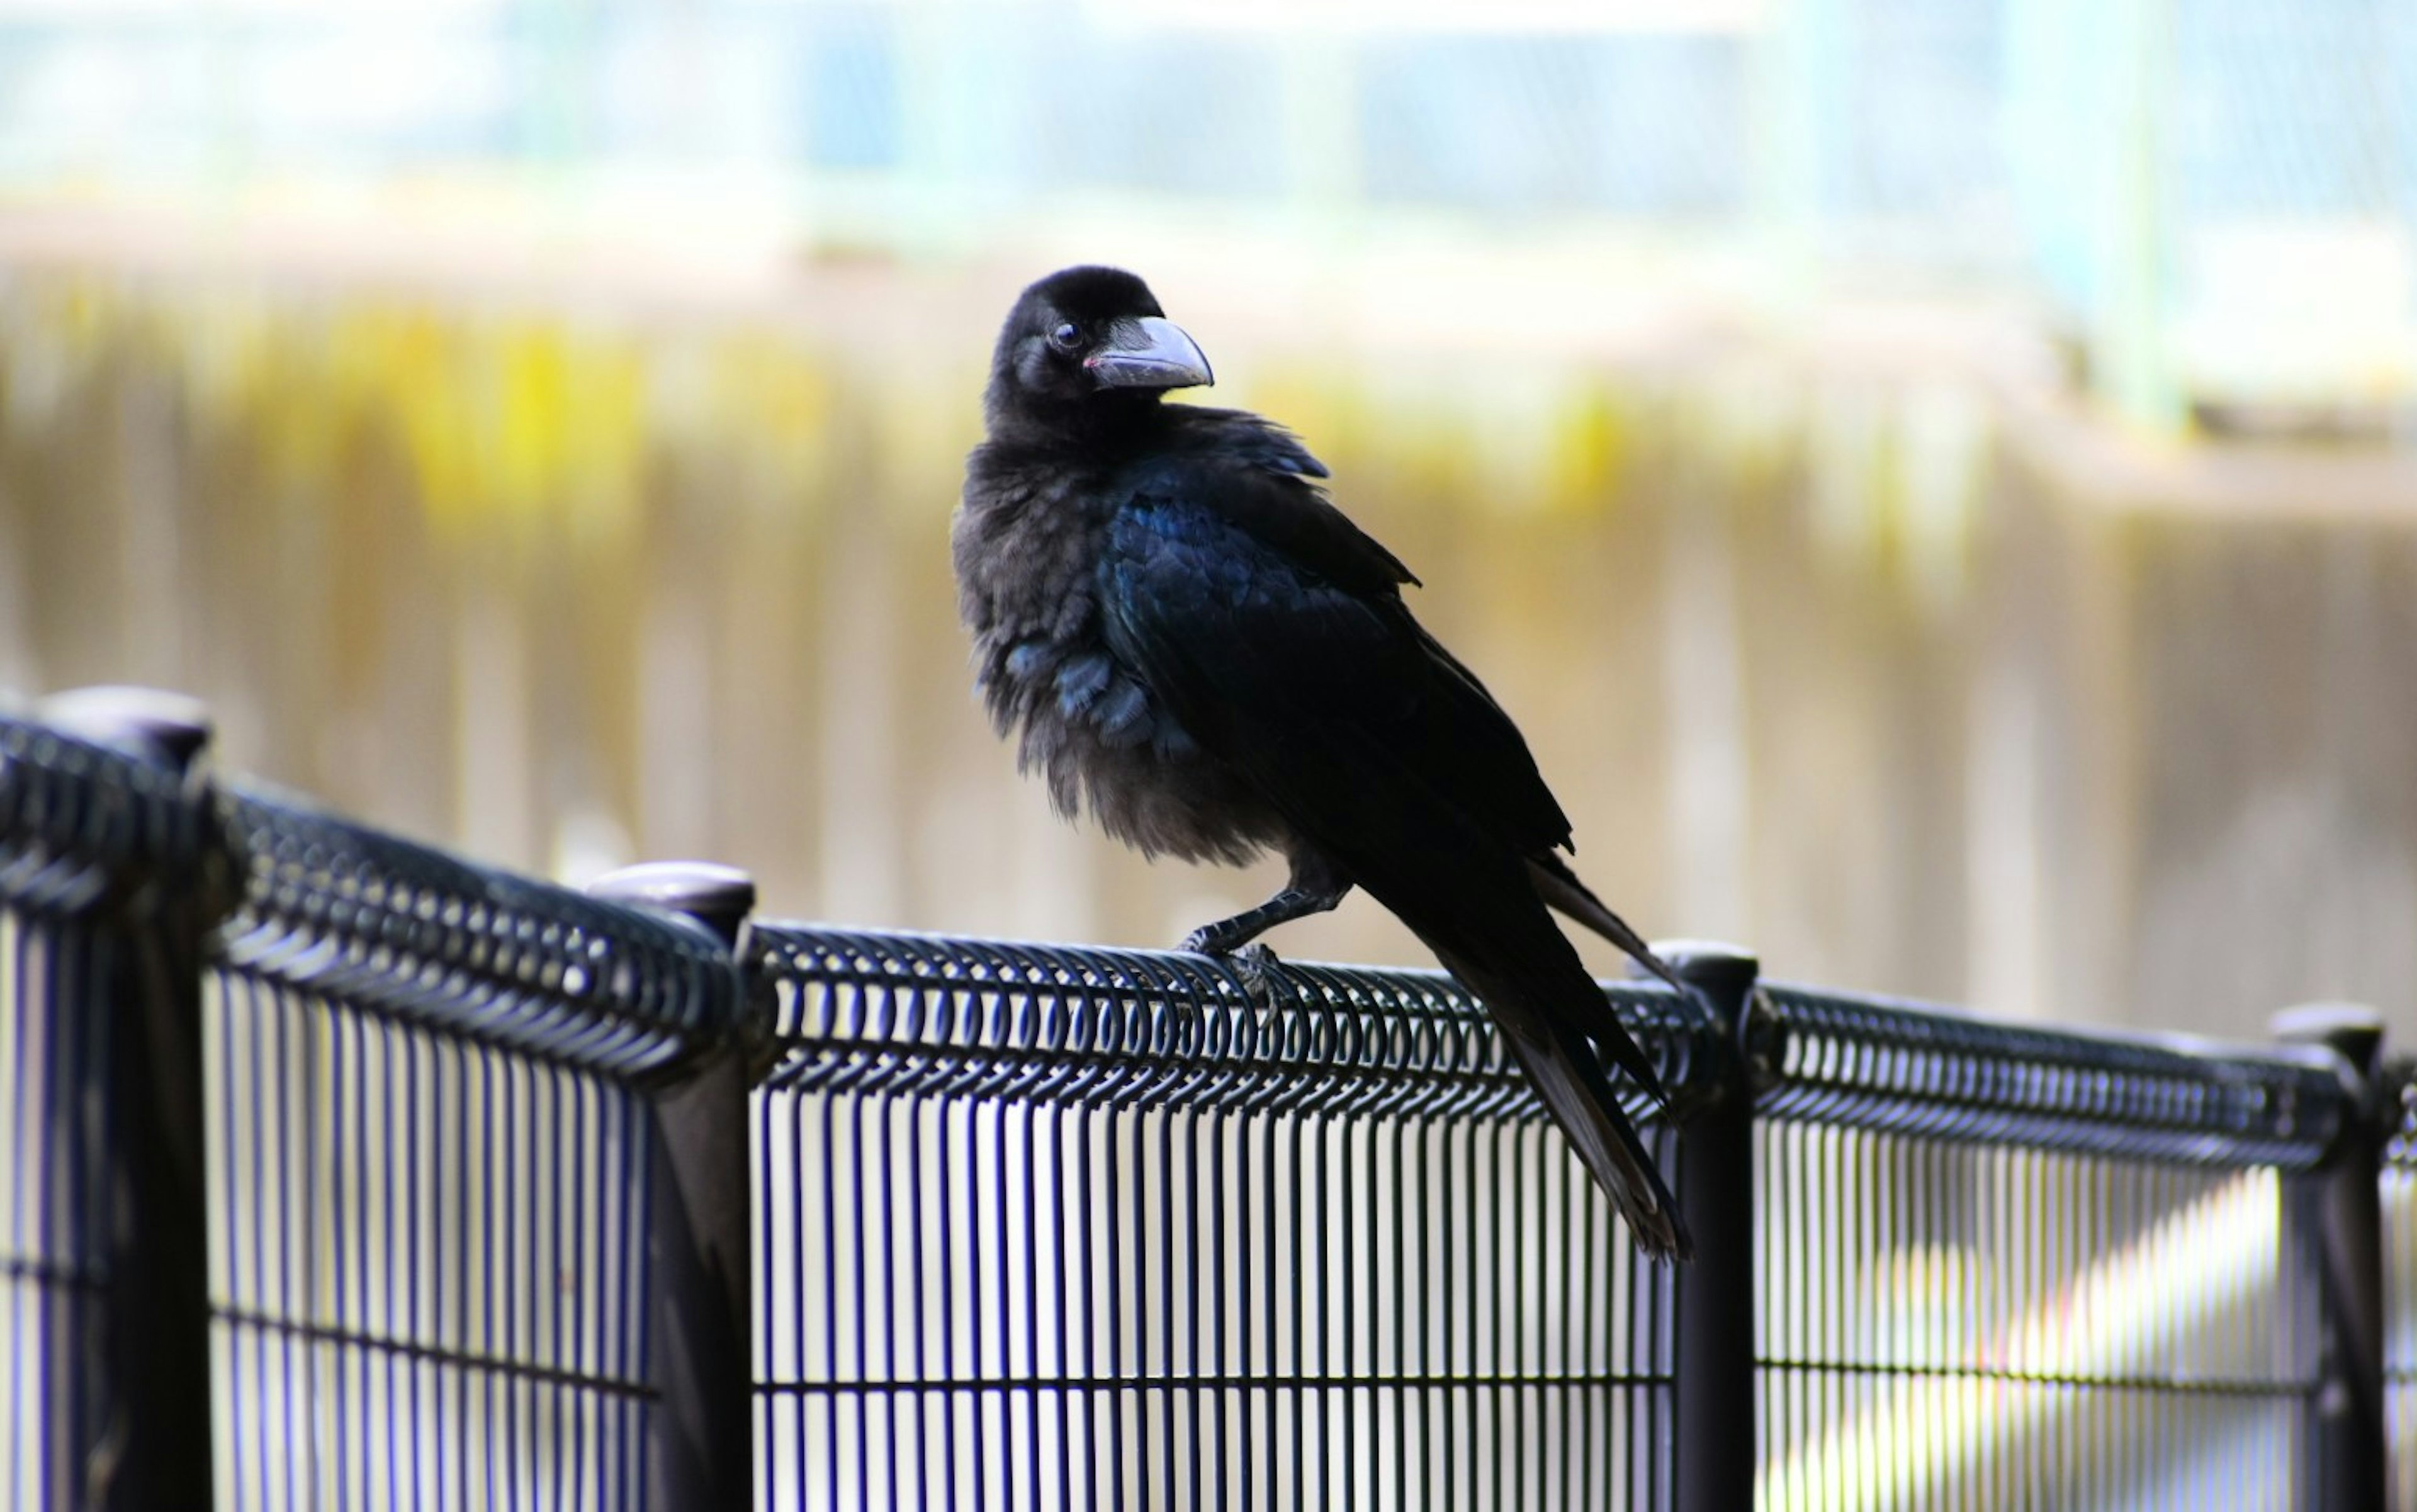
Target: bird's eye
[[1067, 337]]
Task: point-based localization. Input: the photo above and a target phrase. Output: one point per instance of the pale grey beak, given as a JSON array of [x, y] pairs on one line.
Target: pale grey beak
[[1149, 353]]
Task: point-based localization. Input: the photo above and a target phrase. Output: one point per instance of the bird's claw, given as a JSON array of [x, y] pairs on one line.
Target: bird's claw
[[1254, 967]]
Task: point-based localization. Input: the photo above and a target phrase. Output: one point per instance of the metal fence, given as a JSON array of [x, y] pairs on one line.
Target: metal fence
[[338, 1172], [105, 890], [2002, 1266], [430, 1170], [1051, 1227], [396, 1206]]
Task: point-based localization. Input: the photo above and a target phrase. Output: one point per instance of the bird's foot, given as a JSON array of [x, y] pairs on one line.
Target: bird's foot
[[1254, 967]]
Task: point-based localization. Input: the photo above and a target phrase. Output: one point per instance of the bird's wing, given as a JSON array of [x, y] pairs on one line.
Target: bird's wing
[[1394, 764], [1346, 718], [1256, 477], [1238, 435], [1267, 594]]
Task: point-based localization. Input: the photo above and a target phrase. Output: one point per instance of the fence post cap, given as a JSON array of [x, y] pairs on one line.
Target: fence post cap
[[2351, 1029], [717, 897], [170, 728], [1716, 966]]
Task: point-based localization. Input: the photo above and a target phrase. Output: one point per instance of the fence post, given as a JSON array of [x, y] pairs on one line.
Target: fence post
[[153, 1343], [2335, 1220], [1714, 1437], [699, 1293]]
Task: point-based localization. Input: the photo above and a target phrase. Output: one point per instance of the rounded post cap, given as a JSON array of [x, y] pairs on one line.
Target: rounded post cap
[[717, 897], [1714, 965], [169, 728], [2351, 1029]]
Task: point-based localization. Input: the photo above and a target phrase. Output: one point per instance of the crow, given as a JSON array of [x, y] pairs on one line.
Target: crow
[[1189, 639]]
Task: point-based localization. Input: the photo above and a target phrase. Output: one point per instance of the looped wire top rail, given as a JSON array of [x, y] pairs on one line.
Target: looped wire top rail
[[82, 826], [964, 1016], [400, 928], [1875, 1063]]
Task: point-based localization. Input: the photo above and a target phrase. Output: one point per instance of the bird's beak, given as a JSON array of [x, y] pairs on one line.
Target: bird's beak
[[1149, 353]]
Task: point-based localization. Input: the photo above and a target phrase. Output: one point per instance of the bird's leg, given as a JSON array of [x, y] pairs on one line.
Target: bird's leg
[[1227, 936], [1314, 888]]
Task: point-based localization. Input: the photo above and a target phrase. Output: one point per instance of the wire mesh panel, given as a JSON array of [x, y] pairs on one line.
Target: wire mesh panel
[[430, 1164], [86, 838], [2007, 1267], [1046, 1228]]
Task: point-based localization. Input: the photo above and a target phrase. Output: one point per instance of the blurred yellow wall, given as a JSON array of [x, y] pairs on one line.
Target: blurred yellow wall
[[1853, 640]]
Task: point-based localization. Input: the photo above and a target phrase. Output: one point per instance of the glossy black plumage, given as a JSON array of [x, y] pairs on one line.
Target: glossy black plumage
[[1192, 643]]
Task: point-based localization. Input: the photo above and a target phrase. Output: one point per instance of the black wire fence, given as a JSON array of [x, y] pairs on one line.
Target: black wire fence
[[1048, 1227], [430, 1172], [338, 1172], [2006, 1267]]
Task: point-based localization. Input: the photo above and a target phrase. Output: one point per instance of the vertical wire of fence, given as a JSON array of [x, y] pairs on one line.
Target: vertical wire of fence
[[2005, 1266], [1051, 1228]]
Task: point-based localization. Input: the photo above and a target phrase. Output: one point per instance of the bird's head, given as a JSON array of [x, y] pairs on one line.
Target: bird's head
[[1088, 341]]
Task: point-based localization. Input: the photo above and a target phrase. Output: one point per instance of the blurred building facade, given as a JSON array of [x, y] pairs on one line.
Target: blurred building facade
[[1932, 480], [2210, 201]]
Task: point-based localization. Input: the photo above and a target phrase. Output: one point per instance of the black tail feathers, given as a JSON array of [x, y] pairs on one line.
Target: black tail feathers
[[1542, 1032]]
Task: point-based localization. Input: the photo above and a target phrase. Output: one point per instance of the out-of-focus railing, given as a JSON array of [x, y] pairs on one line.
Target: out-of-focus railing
[[343, 1173], [2004, 1265]]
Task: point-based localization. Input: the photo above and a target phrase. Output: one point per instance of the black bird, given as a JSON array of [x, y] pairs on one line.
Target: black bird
[[1196, 645]]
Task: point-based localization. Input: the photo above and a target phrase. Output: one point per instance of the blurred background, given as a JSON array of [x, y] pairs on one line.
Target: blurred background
[[1936, 479]]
